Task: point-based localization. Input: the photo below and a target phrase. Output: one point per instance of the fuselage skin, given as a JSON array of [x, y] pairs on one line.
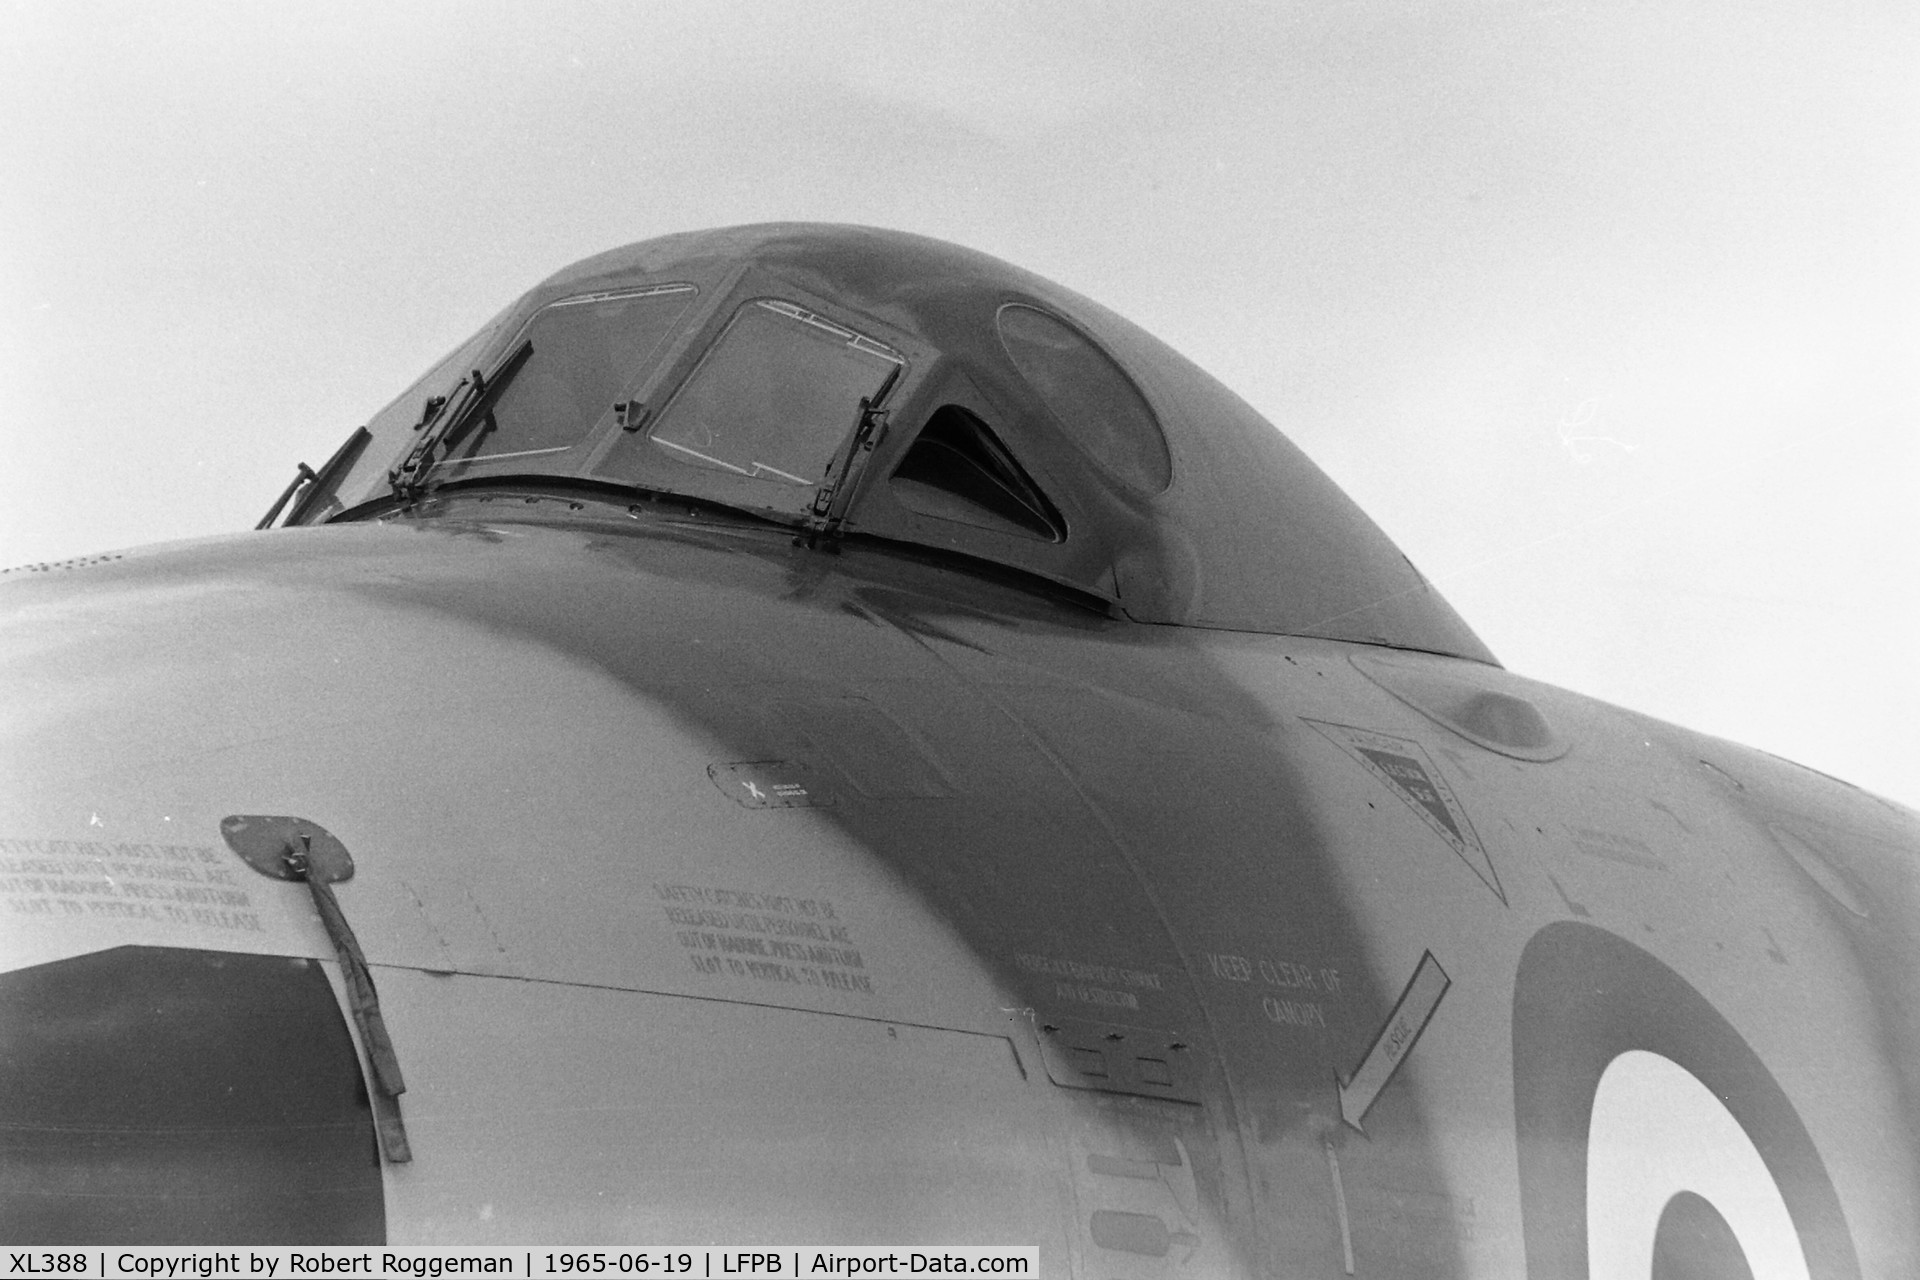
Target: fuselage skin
[[722, 888]]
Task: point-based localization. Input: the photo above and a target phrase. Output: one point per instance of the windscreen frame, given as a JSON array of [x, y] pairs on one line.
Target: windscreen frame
[[592, 436], [648, 467]]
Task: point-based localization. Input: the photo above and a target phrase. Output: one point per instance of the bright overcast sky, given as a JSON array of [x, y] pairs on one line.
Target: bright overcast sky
[[1607, 312]]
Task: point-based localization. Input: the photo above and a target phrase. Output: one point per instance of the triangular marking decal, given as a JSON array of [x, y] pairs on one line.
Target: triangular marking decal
[[1410, 773], [1405, 773]]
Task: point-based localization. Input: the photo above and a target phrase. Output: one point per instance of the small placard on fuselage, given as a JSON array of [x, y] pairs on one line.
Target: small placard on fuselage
[[1113, 1058], [770, 784]]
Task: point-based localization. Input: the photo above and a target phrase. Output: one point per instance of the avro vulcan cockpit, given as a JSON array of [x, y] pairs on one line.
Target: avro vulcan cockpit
[[850, 381]]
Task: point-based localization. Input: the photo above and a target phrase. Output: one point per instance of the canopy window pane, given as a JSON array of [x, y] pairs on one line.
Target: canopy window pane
[[1089, 395], [774, 399], [586, 352]]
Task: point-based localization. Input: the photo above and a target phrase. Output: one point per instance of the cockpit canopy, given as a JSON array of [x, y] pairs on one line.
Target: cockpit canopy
[[865, 383]]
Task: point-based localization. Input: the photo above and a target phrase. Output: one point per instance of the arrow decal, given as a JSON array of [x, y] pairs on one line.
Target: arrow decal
[[1395, 1041]]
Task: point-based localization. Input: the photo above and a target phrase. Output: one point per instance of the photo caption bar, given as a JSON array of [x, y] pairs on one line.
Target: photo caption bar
[[543, 1262]]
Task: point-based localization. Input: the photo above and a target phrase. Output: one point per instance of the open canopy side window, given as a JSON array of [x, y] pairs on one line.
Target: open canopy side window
[[957, 469]]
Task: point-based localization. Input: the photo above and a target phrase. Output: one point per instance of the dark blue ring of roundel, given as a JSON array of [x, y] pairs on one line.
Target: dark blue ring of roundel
[[1582, 998]]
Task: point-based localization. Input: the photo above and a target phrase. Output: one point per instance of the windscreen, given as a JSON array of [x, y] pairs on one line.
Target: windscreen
[[586, 352], [392, 430], [773, 400]]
